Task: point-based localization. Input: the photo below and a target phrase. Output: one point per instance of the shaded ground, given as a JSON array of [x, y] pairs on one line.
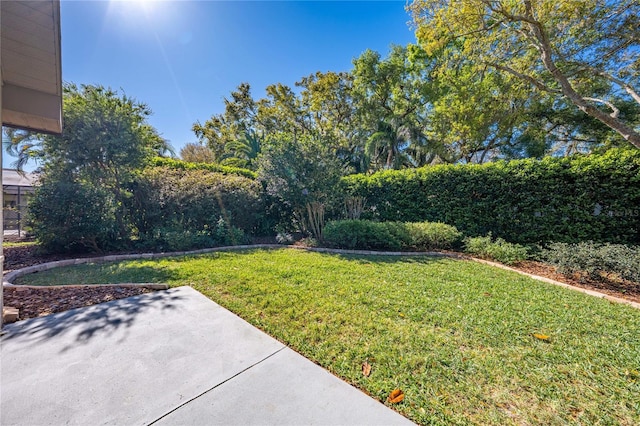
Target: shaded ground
[[38, 302]]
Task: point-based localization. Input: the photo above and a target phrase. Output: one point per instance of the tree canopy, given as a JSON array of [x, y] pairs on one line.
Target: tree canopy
[[582, 51]]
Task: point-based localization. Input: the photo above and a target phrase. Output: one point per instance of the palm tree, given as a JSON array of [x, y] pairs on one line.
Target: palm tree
[[25, 145], [244, 151], [389, 142]]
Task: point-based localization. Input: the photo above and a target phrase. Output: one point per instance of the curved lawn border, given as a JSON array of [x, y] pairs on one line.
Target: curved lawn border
[[11, 276]]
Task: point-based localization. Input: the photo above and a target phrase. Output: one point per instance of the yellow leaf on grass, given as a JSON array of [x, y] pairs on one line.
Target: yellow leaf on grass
[[366, 369], [541, 336], [396, 396]]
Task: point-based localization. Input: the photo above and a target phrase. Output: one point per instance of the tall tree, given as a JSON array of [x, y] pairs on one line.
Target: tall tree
[[559, 47], [238, 118], [87, 171], [392, 97]]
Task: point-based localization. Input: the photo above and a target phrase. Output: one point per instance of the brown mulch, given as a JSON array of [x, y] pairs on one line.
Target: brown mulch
[[612, 286], [38, 302]]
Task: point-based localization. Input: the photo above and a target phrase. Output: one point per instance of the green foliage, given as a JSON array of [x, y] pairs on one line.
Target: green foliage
[[195, 201], [595, 260], [433, 235], [105, 139], [73, 216], [526, 201], [299, 174], [366, 234], [197, 153], [185, 165], [174, 237], [498, 249], [582, 51]]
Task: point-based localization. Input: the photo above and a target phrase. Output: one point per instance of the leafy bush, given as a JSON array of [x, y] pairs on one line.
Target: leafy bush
[[525, 201], [365, 234], [595, 259], [172, 163], [72, 216], [300, 176], [194, 201], [433, 235], [499, 249], [176, 238]]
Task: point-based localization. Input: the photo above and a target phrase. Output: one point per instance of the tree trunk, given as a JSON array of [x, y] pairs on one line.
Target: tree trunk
[[567, 89]]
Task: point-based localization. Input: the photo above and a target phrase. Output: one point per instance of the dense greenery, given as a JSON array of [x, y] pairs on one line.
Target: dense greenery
[[169, 201], [498, 249], [584, 52], [172, 163], [595, 260], [102, 186], [365, 234], [84, 186], [457, 97], [531, 79], [525, 201], [456, 336]]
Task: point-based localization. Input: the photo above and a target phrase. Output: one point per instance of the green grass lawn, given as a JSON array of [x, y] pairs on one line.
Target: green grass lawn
[[455, 336]]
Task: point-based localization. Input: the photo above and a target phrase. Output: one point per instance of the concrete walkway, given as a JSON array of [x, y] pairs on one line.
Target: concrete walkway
[[170, 357]]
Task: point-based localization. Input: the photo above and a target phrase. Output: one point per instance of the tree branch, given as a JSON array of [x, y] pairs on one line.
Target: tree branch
[[615, 111], [540, 85]]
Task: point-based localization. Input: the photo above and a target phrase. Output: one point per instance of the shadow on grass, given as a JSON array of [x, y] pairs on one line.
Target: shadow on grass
[[98, 273], [80, 326]]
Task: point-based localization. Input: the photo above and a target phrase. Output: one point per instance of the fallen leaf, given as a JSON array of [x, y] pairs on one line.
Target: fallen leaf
[[366, 369], [541, 336], [396, 396]]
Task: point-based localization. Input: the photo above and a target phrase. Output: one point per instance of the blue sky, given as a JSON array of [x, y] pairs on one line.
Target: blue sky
[[182, 57]]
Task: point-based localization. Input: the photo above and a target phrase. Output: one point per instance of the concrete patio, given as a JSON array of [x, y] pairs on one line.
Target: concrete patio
[[170, 357]]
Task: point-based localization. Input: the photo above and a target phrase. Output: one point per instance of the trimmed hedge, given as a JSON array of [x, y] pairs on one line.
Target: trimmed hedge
[[195, 200], [185, 165], [594, 197], [366, 234]]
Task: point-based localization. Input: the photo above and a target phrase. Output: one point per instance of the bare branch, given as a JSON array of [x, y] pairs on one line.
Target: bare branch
[[615, 111]]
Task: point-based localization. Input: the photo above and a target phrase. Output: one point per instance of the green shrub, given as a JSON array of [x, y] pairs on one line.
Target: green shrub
[[194, 201], [595, 260], [525, 201], [73, 216], [433, 235], [498, 250], [176, 239], [364, 234], [172, 163]]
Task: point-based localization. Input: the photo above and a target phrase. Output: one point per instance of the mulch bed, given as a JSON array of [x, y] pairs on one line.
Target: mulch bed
[[45, 301], [37, 302], [612, 286]]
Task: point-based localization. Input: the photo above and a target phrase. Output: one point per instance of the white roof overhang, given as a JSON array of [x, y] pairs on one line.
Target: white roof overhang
[[31, 65]]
